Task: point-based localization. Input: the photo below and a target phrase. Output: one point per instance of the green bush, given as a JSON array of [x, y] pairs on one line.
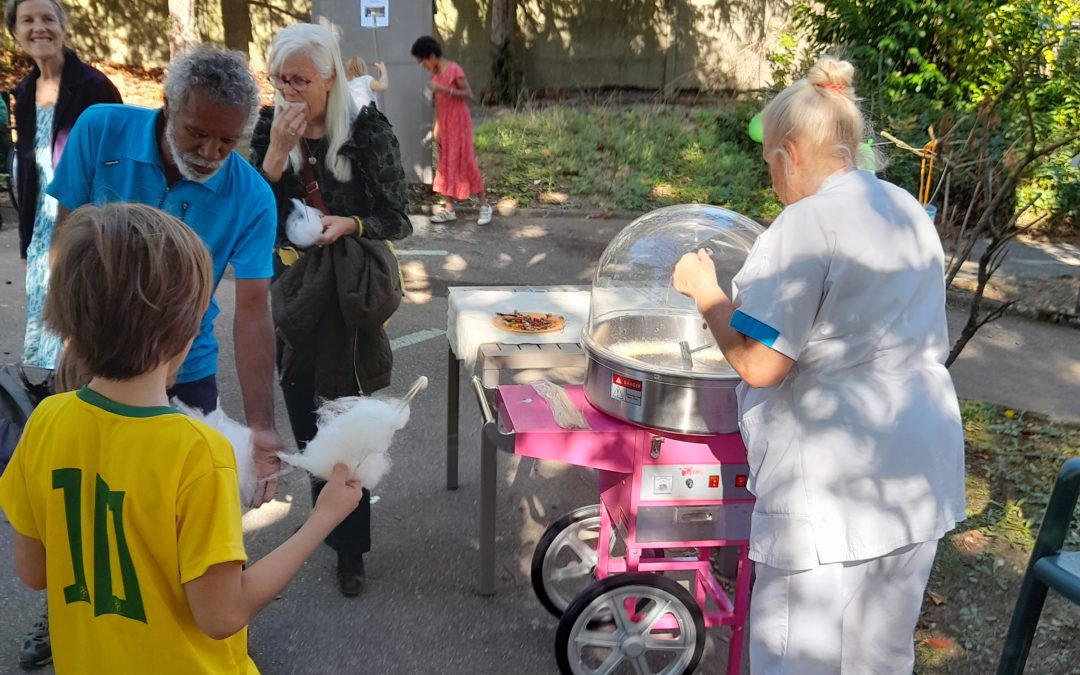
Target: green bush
[[934, 62]]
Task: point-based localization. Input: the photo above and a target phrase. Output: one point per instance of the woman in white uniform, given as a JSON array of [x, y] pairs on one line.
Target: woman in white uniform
[[837, 327]]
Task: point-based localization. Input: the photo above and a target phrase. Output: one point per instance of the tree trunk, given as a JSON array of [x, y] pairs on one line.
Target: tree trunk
[[502, 18], [182, 33], [236, 20], [504, 85]]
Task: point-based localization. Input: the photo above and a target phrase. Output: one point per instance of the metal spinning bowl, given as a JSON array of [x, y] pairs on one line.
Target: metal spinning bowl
[[651, 358]]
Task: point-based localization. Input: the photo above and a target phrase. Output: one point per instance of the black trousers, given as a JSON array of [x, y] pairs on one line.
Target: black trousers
[[353, 536]]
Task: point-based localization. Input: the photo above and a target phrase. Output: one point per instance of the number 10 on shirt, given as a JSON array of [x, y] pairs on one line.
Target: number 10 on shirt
[[106, 502]]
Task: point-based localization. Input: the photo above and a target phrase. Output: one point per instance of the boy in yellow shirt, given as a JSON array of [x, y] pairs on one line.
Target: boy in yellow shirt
[[125, 510]]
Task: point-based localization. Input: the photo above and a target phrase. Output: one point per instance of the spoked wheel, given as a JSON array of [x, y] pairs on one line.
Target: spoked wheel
[[631, 624], [564, 561]]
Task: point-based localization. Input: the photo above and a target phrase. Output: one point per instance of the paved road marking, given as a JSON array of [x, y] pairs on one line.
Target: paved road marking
[[415, 338], [432, 253]]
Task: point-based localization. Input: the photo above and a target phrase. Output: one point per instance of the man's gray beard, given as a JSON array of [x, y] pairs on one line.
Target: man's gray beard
[[183, 162]]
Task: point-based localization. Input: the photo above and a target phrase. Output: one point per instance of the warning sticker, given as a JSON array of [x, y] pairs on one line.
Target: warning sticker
[[625, 389]]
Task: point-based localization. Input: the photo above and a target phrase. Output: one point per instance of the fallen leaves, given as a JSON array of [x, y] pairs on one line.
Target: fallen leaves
[[971, 542], [943, 646]]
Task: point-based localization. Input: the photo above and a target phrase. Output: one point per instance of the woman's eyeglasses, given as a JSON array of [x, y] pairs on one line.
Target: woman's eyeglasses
[[298, 83]]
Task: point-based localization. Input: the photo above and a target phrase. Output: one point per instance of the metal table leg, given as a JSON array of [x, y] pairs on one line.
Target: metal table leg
[[491, 440], [453, 379], [493, 358], [488, 464]]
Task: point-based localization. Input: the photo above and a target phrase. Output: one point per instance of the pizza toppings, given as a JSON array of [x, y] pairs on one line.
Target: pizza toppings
[[528, 322]]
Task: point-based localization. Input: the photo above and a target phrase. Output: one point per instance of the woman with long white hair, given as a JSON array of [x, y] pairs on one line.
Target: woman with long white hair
[[341, 195]]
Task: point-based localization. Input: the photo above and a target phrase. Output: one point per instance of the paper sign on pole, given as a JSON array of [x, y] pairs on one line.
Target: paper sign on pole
[[374, 13]]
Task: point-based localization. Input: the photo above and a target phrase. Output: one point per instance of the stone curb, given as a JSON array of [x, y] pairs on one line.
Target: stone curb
[[544, 212], [960, 299], [956, 299], [516, 212]]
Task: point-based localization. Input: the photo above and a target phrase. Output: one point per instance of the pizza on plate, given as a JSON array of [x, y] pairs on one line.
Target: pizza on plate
[[528, 322]]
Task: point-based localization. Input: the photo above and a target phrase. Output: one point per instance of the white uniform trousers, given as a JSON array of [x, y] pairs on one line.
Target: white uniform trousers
[[855, 618]]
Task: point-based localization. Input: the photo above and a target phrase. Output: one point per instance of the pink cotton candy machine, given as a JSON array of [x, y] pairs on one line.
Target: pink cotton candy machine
[[631, 578]]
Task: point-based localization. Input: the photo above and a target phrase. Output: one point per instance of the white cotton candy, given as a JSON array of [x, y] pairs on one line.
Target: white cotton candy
[[303, 227], [239, 438], [356, 431]]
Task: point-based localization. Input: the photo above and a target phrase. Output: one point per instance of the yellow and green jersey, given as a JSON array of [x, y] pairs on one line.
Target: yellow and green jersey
[[130, 504]]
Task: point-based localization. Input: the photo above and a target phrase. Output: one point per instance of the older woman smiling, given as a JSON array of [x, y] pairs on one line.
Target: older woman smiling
[[47, 103]]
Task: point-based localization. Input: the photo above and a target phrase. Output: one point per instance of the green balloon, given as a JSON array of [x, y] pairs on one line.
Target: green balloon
[[865, 159], [754, 128]]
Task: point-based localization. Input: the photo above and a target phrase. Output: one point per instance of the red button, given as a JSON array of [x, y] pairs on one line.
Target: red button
[[714, 481], [740, 481]]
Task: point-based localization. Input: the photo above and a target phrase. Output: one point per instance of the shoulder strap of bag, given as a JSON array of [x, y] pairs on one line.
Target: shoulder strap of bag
[[311, 186]]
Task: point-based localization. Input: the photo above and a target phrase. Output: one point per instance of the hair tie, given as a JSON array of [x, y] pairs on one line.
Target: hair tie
[[833, 86]]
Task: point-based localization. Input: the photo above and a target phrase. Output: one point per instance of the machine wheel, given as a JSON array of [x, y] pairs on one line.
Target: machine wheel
[[564, 561], [612, 628]]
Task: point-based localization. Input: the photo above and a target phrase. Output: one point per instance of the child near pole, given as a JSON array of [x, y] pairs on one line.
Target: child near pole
[[364, 86]]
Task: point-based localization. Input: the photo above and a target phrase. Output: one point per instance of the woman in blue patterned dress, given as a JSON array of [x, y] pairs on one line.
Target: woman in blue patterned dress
[[47, 103], [40, 346]]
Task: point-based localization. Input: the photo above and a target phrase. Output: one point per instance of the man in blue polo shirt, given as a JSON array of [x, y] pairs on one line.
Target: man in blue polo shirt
[[180, 159]]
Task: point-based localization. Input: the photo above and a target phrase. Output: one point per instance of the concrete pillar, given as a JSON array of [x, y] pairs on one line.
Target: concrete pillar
[[404, 103], [671, 54]]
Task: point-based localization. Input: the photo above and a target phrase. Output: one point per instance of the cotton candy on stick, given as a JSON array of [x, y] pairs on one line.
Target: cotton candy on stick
[[356, 431], [303, 226], [239, 438]]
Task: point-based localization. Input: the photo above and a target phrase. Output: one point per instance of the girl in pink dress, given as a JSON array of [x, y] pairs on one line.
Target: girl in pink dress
[[457, 176]]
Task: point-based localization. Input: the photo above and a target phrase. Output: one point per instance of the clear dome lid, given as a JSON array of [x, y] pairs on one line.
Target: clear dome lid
[[637, 317]]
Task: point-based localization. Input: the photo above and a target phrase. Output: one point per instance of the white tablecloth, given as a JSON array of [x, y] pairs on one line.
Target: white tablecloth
[[470, 310]]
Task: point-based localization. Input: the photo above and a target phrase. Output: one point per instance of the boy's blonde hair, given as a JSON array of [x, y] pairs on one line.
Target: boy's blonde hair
[[128, 289], [355, 67], [820, 110]]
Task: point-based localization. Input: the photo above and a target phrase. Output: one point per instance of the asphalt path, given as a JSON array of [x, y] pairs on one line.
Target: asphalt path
[[420, 612]]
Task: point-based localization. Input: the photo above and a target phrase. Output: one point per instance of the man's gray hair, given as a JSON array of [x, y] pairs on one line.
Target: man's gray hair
[[222, 73]]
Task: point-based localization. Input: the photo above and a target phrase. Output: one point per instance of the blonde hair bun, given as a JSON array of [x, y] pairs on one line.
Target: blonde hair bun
[[808, 111], [831, 73]]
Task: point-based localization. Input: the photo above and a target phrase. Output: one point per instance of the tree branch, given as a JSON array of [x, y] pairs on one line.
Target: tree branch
[[996, 313], [280, 10]]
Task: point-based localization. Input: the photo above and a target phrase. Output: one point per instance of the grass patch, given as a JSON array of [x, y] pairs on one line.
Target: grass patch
[[1013, 458], [626, 158]]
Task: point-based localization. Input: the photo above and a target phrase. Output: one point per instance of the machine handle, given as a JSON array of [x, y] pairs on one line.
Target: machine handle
[[481, 400], [695, 516]]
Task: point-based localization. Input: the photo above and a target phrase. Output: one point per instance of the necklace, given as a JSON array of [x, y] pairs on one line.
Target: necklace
[[307, 151]]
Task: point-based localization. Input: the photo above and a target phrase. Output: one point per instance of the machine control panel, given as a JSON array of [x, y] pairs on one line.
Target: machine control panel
[[694, 482]]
